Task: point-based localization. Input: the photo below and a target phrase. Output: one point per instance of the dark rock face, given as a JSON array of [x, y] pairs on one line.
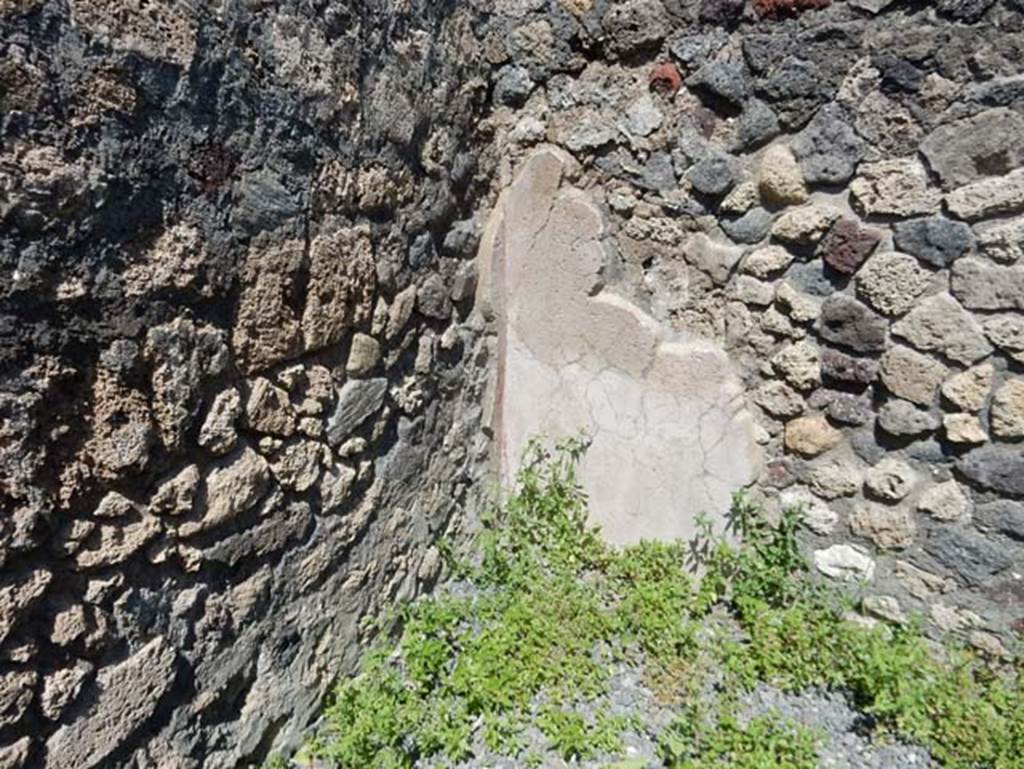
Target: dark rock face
[[847, 245], [199, 215], [847, 322], [998, 468], [935, 240]]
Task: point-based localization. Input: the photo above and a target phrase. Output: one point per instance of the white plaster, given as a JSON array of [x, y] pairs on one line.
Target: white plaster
[[670, 434]]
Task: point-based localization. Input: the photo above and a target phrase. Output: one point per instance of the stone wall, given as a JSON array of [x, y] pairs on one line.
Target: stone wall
[[243, 367], [832, 193], [239, 400]]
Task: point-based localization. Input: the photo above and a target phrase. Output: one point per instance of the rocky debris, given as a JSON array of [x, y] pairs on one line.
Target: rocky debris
[[127, 694], [234, 485], [62, 688], [975, 147], [945, 502], [805, 225], [750, 228], [939, 323], [847, 245], [183, 355], [363, 357], [900, 418], [665, 78], [218, 434], [828, 148], [935, 240], [115, 543], [891, 282], [833, 478], [635, 25], [911, 375], [891, 479], [297, 467], [896, 187], [969, 389], [998, 468], [890, 528], [758, 124], [988, 197], [964, 10], [799, 306], [983, 286], [844, 408], [1008, 410], [811, 435], [752, 291], [964, 429], [16, 694], [847, 322], [721, 80], [15, 755], [358, 400], [276, 529], [175, 495], [779, 399], [269, 409], [845, 563]]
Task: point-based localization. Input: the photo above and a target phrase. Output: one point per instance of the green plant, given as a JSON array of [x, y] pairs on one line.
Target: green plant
[[554, 607]]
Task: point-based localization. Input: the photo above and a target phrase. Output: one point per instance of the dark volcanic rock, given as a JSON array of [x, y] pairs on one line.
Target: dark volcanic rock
[[828, 148], [974, 558], [935, 239], [847, 322], [847, 368], [999, 468], [1004, 516]]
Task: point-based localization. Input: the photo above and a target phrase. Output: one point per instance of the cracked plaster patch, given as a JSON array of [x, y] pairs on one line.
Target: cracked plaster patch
[[670, 433]]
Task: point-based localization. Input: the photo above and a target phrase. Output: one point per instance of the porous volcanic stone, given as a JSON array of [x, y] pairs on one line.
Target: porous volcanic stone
[[964, 429], [847, 245], [912, 376], [891, 479], [811, 435], [805, 225], [847, 322], [841, 367], [893, 188], [901, 418], [828, 148], [988, 197], [969, 389], [987, 144], [890, 528], [946, 501], [780, 181], [891, 282], [980, 285], [1008, 410], [635, 25], [935, 240], [939, 323]]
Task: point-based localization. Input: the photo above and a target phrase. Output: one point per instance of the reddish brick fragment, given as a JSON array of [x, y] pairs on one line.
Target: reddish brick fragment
[[847, 245], [665, 78]]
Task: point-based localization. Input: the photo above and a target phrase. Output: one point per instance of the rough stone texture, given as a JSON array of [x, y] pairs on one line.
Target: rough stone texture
[[893, 188], [847, 245], [215, 220], [983, 286], [811, 435], [969, 149], [890, 528], [127, 694], [891, 479], [988, 197], [214, 206], [934, 240], [939, 323], [891, 282], [969, 389], [1008, 410], [847, 322], [946, 502], [911, 375]]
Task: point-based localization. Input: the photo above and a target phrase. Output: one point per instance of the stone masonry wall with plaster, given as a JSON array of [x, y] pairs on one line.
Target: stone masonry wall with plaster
[[247, 381], [832, 193]]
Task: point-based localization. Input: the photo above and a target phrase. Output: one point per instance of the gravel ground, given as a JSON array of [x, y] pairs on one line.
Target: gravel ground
[[844, 733]]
